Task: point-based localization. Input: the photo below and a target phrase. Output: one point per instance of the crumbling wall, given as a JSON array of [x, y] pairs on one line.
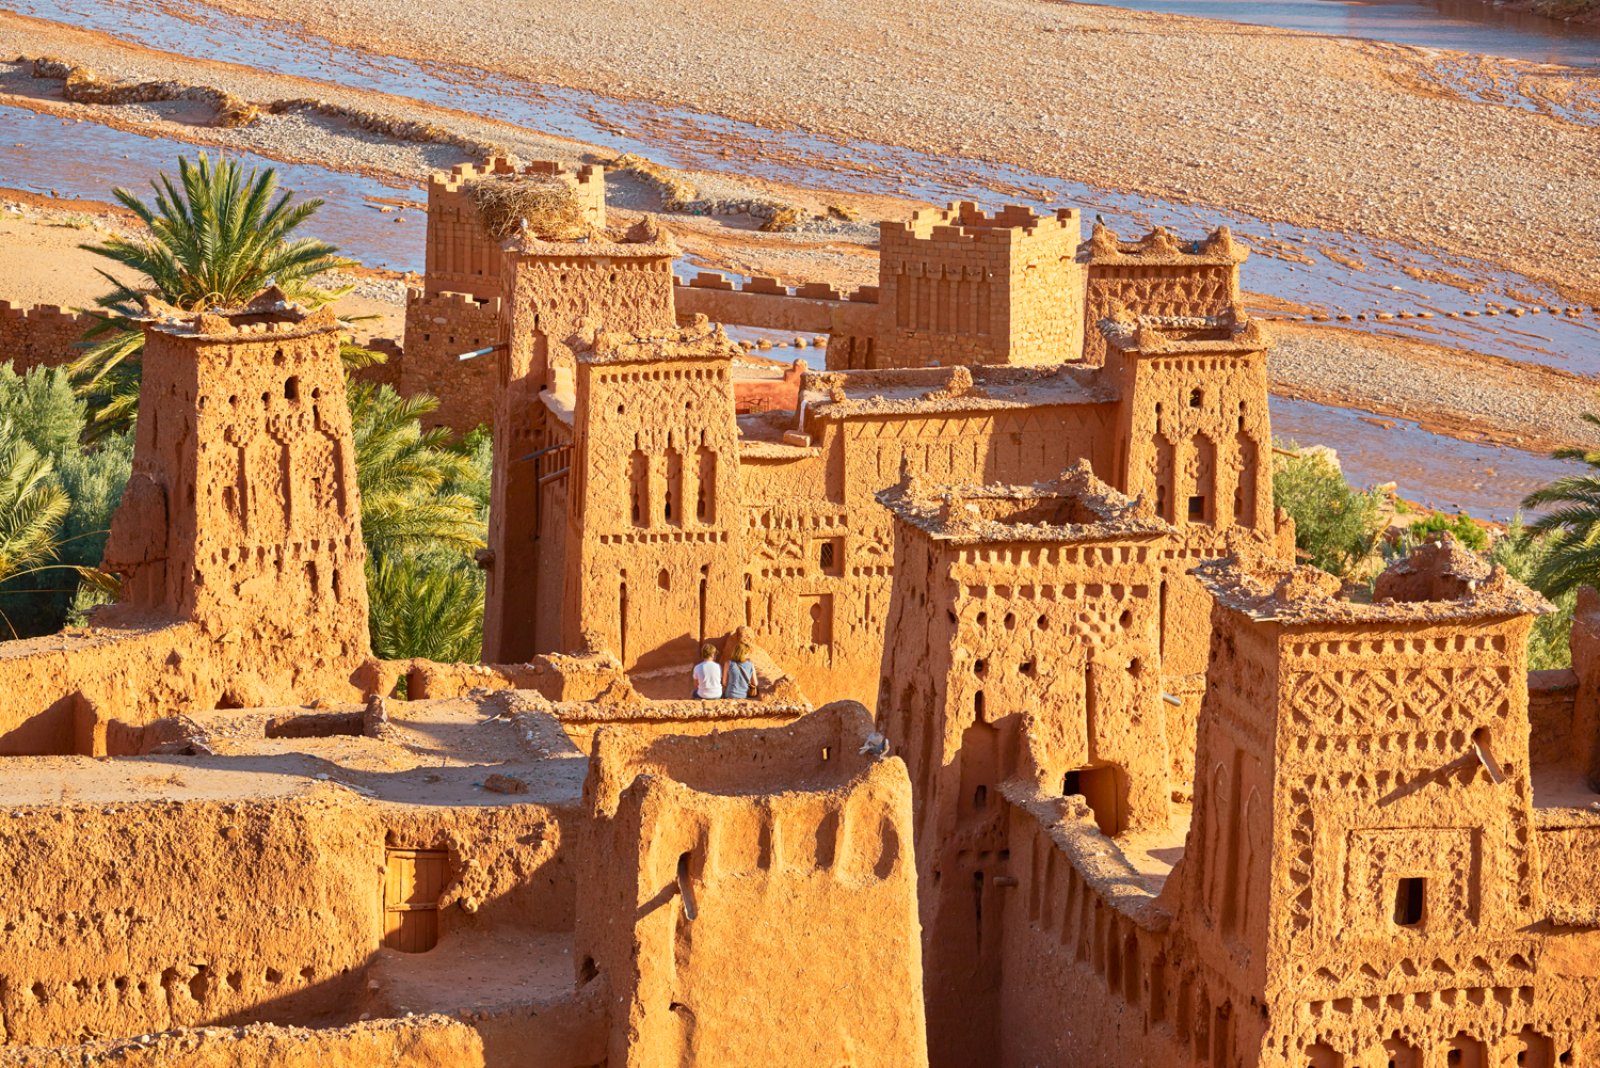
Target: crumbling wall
[[1157, 275], [93, 693], [42, 335], [134, 917], [696, 838]]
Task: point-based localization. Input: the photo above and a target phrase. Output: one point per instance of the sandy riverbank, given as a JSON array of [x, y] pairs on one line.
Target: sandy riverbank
[[1344, 134]]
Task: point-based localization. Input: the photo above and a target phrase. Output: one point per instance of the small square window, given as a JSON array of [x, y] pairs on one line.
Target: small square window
[[1197, 509], [830, 555]]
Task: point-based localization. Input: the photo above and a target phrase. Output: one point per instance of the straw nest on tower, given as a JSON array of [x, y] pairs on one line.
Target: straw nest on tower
[[541, 205]]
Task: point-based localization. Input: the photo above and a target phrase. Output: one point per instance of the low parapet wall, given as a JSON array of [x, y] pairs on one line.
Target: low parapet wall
[[141, 916], [568, 1035], [812, 308], [94, 692], [43, 335]]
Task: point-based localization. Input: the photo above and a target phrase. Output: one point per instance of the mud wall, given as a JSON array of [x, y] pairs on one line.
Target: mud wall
[[962, 287], [569, 1035], [807, 309], [439, 329], [128, 918], [549, 291], [1088, 978], [1552, 702], [44, 335], [764, 912]]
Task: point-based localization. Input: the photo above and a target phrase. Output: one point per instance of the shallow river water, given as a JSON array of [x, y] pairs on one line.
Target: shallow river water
[[1460, 25]]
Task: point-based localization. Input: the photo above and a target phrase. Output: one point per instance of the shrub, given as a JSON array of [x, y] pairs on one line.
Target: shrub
[[1335, 525], [1461, 526], [1522, 553]]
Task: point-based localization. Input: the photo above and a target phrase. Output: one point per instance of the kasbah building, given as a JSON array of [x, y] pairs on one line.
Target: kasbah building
[[1058, 759]]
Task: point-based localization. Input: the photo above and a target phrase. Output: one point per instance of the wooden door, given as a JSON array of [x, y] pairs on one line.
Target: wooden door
[[413, 881]]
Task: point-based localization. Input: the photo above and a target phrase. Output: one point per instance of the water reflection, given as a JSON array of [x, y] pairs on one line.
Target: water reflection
[[85, 161], [1485, 481], [1461, 25]]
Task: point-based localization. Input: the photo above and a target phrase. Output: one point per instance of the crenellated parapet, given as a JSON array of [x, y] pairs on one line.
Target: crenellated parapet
[[40, 335], [960, 286], [462, 254], [1157, 275]]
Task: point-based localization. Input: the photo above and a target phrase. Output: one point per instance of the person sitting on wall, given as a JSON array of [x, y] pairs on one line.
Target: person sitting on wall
[[739, 676], [708, 674]]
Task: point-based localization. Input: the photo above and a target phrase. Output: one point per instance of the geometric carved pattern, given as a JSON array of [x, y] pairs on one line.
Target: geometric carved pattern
[[1445, 857], [1396, 697]]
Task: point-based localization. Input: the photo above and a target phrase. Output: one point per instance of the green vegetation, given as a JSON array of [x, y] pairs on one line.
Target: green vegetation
[[1523, 553], [219, 235], [424, 510], [43, 423], [1461, 526], [1571, 528], [1335, 526]]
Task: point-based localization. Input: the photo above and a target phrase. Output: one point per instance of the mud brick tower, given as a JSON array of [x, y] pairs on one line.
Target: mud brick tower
[[458, 309], [961, 287], [1194, 440], [1027, 645], [462, 256], [1362, 861], [654, 506], [553, 290], [243, 512], [1160, 276]]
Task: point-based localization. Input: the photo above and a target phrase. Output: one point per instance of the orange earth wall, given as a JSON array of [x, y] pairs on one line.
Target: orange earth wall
[[754, 895], [165, 915], [562, 1036], [43, 335]]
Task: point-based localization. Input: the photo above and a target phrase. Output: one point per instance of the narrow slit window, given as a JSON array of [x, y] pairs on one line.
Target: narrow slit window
[[1409, 897]]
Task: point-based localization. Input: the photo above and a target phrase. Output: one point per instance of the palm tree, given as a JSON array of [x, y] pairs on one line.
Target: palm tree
[[218, 235], [408, 477], [425, 607], [422, 515], [1571, 530], [31, 505]]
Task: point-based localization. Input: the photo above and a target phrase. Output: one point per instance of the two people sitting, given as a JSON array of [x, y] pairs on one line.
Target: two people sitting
[[735, 680]]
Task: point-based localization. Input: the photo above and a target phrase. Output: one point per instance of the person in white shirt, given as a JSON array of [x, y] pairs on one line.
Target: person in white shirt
[[708, 674]]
